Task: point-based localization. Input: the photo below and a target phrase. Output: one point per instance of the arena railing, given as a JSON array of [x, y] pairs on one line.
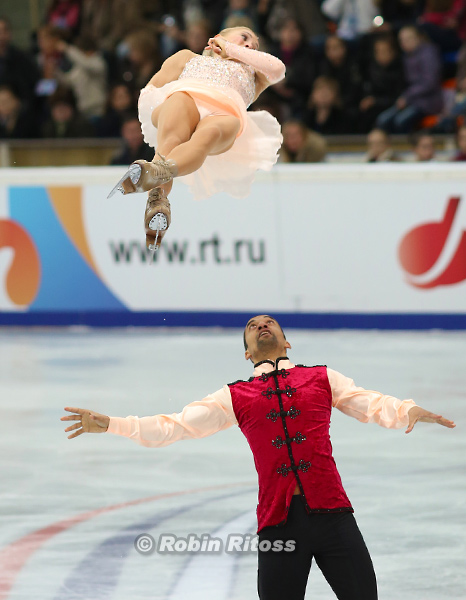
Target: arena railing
[[99, 151]]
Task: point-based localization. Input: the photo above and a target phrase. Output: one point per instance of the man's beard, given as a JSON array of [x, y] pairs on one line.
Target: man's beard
[[266, 342]]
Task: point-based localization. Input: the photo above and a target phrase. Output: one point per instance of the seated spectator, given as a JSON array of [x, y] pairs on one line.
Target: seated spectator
[[293, 50], [300, 145], [109, 21], [338, 64], [324, 113], [379, 148], [87, 76], [423, 94], [171, 37], [134, 147], [424, 147], [383, 83], [239, 8], [49, 59], [461, 143], [143, 59], [197, 35], [65, 15], [15, 120], [269, 102], [353, 18], [65, 121], [306, 12], [455, 109], [444, 21], [235, 21], [120, 101], [17, 70], [399, 13]]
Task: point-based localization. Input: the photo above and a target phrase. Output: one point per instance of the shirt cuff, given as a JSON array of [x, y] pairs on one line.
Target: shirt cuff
[[119, 426], [403, 411]]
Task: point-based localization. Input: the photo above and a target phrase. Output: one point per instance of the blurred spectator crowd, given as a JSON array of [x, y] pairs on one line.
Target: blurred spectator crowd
[[371, 67]]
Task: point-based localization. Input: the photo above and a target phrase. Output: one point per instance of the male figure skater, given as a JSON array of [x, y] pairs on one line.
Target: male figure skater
[[284, 412]]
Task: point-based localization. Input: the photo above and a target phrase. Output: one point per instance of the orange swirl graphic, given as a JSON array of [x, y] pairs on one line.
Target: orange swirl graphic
[[67, 204], [23, 277]]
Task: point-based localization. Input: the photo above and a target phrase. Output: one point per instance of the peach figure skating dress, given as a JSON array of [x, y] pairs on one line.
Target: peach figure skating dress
[[224, 87]]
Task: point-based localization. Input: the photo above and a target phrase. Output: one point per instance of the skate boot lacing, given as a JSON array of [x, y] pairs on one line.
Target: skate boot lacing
[[159, 221]]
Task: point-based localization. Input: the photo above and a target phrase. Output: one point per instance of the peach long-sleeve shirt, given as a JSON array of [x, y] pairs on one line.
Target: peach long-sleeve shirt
[[215, 412]]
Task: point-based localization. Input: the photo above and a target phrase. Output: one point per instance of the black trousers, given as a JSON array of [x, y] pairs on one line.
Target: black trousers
[[336, 543]]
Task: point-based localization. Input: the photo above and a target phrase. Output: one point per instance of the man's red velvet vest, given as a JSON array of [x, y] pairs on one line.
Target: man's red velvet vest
[[285, 416]]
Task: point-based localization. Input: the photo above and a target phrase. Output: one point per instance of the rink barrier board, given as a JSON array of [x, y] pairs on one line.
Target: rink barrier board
[[323, 246], [235, 320]]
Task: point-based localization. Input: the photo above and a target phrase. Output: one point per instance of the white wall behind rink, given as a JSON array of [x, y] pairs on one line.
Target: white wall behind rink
[[310, 238]]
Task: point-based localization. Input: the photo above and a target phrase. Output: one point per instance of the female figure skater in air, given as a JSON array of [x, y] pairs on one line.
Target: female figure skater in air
[[193, 112]]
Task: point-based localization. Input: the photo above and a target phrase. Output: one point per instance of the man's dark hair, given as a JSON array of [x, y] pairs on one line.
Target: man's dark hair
[[63, 95], [244, 334]]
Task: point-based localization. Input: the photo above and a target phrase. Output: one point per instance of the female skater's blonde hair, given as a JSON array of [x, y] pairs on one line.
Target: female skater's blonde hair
[[210, 52]]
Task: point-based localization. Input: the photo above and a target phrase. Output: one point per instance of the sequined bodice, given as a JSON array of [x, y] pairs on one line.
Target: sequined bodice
[[221, 73]]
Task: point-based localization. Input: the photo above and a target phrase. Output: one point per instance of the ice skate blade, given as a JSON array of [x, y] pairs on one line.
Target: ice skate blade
[[128, 182], [158, 222]]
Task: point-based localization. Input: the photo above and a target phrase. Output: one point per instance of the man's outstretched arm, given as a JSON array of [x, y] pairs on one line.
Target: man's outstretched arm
[[370, 406], [197, 419]]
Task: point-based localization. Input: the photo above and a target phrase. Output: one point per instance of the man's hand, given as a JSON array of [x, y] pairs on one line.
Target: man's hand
[[88, 421], [416, 413]]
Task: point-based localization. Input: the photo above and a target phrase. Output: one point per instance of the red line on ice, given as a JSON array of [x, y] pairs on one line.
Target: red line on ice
[[14, 556]]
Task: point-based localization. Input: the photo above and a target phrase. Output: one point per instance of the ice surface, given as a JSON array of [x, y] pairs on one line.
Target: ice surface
[[70, 510]]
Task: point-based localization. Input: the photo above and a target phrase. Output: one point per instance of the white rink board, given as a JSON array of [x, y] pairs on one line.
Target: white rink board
[[309, 239]]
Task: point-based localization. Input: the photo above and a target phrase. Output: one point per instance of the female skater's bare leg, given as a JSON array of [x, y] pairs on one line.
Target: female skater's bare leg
[[213, 135], [171, 129], [176, 120]]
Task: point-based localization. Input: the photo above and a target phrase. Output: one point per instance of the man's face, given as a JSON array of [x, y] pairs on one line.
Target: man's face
[[132, 134], [196, 35], [425, 148], [384, 53], [377, 143], [263, 334], [9, 104], [290, 35], [62, 112], [462, 140], [409, 39], [293, 138], [5, 34], [335, 50]]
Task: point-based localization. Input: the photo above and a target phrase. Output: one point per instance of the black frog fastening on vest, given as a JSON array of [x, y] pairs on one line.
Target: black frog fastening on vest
[[292, 413], [303, 466], [288, 391], [279, 372], [278, 442]]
